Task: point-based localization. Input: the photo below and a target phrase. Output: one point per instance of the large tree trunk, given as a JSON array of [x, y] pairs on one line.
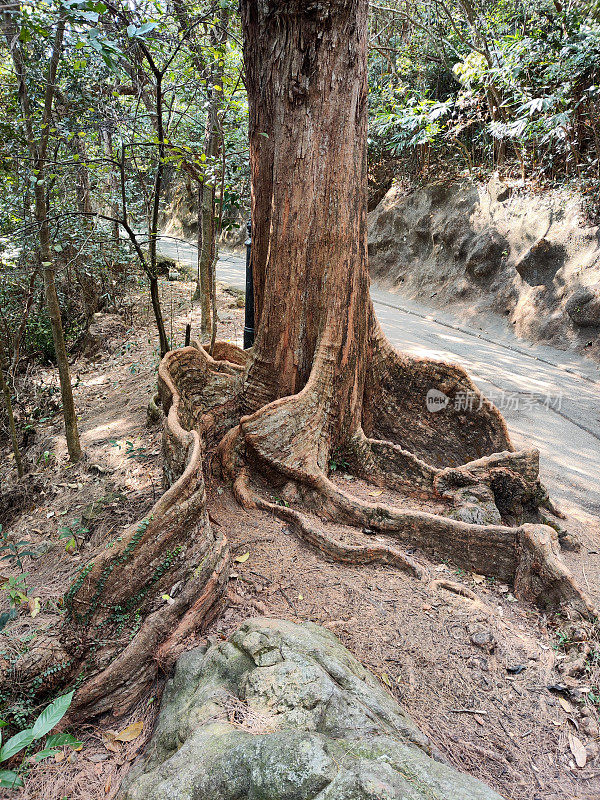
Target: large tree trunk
[[314, 307]]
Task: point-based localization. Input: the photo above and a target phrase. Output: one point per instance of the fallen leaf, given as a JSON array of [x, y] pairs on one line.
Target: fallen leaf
[[565, 705], [242, 559], [578, 750], [34, 605], [107, 785], [376, 494], [108, 740], [130, 733], [478, 578], [386, 679]]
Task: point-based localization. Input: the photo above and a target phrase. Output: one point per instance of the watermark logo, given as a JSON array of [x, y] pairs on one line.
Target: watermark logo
[[436, 400], [504, 401]]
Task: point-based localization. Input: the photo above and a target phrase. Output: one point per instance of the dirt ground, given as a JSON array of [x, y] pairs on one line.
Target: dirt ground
[[483, 675]]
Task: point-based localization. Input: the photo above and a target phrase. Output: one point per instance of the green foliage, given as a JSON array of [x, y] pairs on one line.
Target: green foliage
[[13, 551], [74, 534], [48, 719], [16, 589], [338, 462], [488, 85]]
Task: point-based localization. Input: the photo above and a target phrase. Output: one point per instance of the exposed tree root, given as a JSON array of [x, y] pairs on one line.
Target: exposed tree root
[[458, 589], [119, 631], [315, 536], [284, 440]]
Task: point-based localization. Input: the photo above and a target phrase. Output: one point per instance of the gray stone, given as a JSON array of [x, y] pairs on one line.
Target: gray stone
[[476, 505], [483, 639], [486, 254], [42, 549], [541, 262], [282, 711], [583, 307]]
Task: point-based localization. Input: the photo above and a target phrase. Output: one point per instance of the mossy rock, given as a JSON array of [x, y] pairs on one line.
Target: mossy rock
[[282, 711]]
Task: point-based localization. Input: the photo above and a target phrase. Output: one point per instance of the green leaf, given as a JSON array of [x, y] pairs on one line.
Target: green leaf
[[62, 739], [10, 779], [47, 753], [131, 31], [16, 743], [51, 715], [146, 28]]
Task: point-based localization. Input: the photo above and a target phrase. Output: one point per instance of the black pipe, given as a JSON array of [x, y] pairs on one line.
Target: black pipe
[[249, 305]]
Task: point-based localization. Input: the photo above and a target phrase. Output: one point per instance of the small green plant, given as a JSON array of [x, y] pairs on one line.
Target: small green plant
[[18, 595], [562, 640], [281, 502], [338, 462], [74, 534], [48, 719], [44, 458], [131, 451], [13, 551], [16, 589]]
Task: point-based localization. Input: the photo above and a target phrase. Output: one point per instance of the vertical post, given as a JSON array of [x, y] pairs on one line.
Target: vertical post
[[249, 306]]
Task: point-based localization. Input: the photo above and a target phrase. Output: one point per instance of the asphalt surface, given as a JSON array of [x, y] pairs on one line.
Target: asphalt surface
[[549, 398]]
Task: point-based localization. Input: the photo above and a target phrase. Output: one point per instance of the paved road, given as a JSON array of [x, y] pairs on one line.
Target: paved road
[[550, 399]]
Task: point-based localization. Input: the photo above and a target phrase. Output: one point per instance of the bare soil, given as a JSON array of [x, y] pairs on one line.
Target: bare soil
[[473, 671]]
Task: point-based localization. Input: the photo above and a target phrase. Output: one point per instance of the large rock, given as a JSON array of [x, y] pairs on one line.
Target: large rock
[[282, 711], [583, 307], [481, 248]]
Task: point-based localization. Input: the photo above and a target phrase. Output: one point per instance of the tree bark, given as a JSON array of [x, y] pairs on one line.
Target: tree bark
[[112, 184], [307, 85], [37, 151], [11, 423], [207, 236]]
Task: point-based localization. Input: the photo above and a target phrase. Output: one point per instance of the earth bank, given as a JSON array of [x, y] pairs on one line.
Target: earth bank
[[494, 248]]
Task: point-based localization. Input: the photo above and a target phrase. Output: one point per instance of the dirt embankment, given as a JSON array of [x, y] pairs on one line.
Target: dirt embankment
[[494, 248]]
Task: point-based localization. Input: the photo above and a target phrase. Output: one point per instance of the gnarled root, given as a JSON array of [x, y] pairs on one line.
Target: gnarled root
[[541, 576], [492, 499], [118, 629], [315, 536]]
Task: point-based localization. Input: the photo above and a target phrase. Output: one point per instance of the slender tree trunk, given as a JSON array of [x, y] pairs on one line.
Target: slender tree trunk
[[206, 288], [11, 423], [206, 197], [154, 217], [37, 151], [84, 200], [155, 298], [113, 180], [53, 307]]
